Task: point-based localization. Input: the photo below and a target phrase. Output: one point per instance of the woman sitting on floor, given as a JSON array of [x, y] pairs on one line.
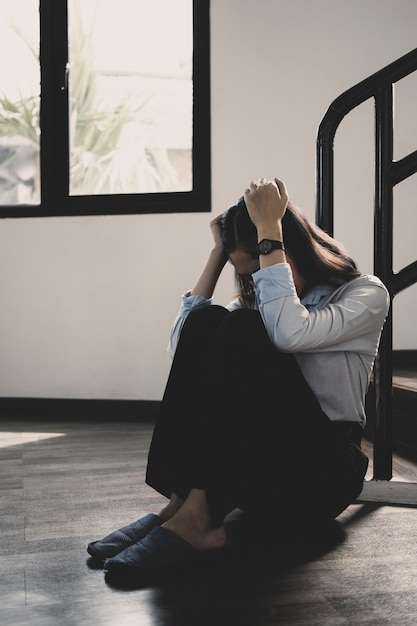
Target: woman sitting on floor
[[264, 405]]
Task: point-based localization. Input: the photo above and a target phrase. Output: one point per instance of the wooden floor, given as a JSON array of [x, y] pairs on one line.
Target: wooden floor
[[63, 484], [405, 378]]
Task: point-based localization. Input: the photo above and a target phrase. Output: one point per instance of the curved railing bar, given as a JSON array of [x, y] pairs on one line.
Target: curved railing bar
[[405, 168], [404, 278], [339, 108]]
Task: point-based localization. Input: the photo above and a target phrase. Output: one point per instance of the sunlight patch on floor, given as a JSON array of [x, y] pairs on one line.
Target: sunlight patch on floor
[[17, 439]]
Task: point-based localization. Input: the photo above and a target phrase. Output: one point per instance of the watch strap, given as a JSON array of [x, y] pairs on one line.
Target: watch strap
[[267, 245]]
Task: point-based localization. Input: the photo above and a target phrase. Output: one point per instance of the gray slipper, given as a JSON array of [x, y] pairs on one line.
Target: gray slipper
[[160, 551], [123, 538]]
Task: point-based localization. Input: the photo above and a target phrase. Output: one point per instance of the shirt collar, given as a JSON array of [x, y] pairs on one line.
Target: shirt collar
[[315, 294]]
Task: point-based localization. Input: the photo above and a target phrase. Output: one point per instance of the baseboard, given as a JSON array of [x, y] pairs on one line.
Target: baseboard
[[97, 409], [79, 409], [404, 358]]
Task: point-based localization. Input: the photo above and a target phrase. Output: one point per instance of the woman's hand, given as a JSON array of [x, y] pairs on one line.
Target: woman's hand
[[215, 226], [266, 202]]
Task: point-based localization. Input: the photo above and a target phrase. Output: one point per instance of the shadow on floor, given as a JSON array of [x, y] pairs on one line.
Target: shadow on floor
[[254, 551], [239, 583]]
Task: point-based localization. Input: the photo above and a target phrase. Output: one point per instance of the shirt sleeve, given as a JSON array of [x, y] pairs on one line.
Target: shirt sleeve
[[188, 304], [348, 321]]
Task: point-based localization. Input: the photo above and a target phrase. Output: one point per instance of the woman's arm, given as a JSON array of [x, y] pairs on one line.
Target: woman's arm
[[351, 319], [355, 312], [207, 280], [200, 295], [266, 202]]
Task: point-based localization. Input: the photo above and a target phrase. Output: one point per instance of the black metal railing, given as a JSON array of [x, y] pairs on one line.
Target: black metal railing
[[387, 174]]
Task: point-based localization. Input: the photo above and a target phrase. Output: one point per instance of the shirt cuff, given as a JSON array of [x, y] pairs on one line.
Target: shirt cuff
[[274, 282], [189, 302]]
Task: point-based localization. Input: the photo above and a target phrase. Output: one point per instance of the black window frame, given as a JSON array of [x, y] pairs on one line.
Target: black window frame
[[54, 142]]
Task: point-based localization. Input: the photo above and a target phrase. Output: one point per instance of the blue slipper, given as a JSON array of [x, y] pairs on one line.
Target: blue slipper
[[121, 539], [160, 551]]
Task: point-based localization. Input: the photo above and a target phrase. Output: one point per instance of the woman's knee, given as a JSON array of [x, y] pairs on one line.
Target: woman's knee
[[243, 333], [203, 323], [206, 314], [244, 320], [242, 326]]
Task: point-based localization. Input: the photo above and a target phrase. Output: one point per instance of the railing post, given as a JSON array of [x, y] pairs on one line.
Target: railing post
[[383, 261], [325, 178], [382, 444]]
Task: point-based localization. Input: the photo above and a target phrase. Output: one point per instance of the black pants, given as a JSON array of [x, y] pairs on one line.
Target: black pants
[[239, 421]]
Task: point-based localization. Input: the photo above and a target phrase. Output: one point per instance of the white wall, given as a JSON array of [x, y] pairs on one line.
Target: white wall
[[87, 303]]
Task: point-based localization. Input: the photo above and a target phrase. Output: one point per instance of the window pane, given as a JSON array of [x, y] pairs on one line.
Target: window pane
[[19, 102], [130, 94]]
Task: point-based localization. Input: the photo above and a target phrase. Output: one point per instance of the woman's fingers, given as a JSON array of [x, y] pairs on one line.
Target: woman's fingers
[[264, 186], [266, 200], [281, 188], [262, 182]]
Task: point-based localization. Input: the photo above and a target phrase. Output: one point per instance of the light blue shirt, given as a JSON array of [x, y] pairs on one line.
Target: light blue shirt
[[333, 333]]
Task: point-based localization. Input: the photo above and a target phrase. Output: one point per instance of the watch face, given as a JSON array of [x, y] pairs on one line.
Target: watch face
[[265, 246]]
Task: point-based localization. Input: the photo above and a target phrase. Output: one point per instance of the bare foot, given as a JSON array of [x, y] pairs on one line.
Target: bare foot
[[200, 536], [171, 508]]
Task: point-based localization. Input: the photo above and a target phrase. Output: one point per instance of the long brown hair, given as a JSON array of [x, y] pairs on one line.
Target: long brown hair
[[318, 257]]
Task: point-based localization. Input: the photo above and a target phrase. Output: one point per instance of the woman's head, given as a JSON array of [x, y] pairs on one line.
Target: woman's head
[[317, 257]]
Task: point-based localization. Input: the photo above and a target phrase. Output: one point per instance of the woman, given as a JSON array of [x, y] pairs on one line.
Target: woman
[[264, 405]]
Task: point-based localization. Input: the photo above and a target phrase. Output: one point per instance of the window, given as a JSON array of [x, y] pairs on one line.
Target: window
[[122, 121]]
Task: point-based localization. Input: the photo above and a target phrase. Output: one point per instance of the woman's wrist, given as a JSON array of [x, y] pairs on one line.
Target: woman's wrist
[[270, 231], [219, 253]]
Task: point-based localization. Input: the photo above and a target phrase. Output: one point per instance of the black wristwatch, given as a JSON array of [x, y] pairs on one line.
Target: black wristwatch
[[267, 245]]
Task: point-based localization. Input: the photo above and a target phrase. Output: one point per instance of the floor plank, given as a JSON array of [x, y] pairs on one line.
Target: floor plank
[[63, 484]]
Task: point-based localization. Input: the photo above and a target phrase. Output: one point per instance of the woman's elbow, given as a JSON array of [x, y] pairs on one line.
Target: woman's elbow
[[171, 350], [285, 343]]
